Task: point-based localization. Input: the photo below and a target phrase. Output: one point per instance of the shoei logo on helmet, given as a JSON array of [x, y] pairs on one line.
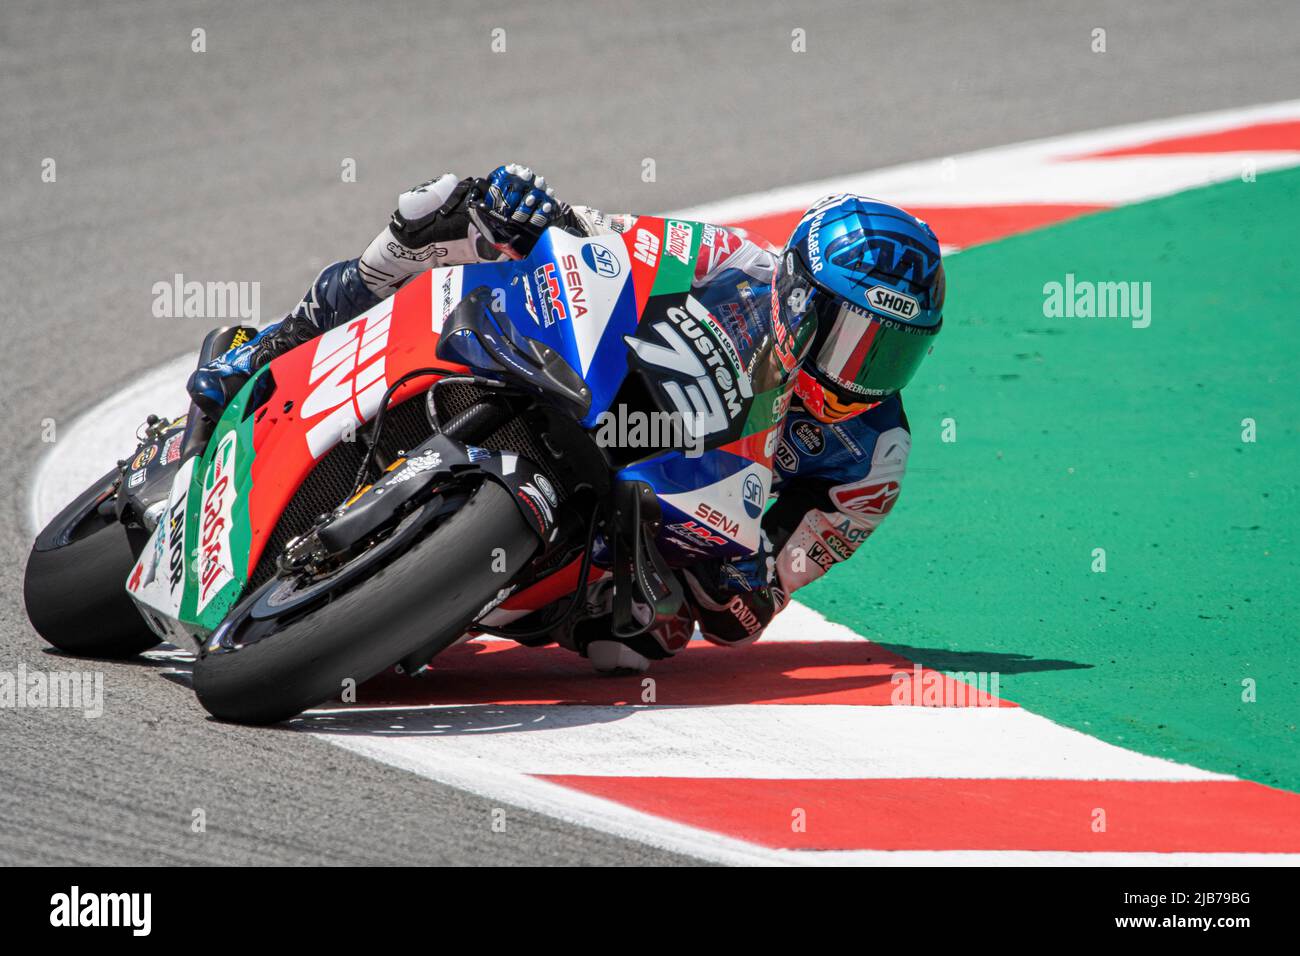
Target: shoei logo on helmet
[[891, 302]]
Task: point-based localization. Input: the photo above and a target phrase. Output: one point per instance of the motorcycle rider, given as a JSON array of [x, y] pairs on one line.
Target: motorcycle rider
[[869, 274]]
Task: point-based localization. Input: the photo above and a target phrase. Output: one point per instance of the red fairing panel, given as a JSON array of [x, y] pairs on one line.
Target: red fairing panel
[[329, 386]]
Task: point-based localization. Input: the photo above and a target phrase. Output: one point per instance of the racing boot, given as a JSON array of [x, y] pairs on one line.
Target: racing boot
[[612, 656], [216, 383]]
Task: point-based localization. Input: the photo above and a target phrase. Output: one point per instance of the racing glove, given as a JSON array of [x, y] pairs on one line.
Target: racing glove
[[448, 222], [516, 208]]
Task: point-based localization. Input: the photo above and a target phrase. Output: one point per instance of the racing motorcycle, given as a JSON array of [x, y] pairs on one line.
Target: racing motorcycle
[[431, 469]]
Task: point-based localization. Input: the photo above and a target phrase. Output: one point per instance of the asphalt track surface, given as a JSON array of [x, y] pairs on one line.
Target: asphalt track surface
[[225, 165]]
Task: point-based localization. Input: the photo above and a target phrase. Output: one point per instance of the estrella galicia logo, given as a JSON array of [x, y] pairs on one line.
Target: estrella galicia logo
[[600, 260], [808, 437], [753, 495]]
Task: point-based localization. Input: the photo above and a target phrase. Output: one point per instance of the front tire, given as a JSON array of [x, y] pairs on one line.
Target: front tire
[[75, 583], [427, 596]]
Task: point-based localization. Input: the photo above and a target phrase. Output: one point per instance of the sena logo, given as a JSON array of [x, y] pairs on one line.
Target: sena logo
[[347, 380], [868, 500], [573, 282], [898, 304], [718, 520]]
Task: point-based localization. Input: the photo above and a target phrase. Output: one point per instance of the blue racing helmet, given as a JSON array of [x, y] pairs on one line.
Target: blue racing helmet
[[871, 275]]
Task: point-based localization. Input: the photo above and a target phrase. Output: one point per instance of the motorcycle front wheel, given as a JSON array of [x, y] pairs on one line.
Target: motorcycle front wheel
[[426, 597], [75, 583]]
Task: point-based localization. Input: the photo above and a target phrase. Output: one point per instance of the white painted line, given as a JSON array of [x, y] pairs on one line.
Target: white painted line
[[495, 782], [752, 741], [800, 623], [1034, 172], [990, 181], [996, 178], [92, 443]]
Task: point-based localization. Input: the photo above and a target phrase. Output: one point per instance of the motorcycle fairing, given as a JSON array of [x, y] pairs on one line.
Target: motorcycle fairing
[[157, 582], [580, 296], [576, 295]]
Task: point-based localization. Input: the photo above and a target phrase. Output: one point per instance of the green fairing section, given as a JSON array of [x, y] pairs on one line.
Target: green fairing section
[[240, 535], [762, 411], [674, 275]]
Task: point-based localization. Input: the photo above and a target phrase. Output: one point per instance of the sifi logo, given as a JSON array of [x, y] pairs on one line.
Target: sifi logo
[[601, 260], [753, 495], [898, 304], [347, 379]]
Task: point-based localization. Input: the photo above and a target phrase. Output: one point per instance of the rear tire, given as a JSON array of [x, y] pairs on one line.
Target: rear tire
[[427, 596], [75, 592]]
